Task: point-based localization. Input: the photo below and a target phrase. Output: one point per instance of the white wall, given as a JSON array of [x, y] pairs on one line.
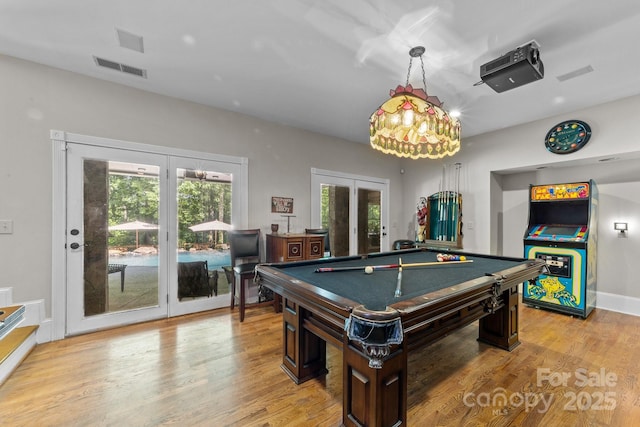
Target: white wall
[[515, 153], [36, 99]]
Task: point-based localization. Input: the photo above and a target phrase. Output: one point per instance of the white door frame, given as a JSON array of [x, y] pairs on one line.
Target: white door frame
[[354, 182], [77, 322], [176, 307], [59, 140]]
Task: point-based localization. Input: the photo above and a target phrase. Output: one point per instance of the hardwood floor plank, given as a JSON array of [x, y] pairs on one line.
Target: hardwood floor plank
[[209, 369]]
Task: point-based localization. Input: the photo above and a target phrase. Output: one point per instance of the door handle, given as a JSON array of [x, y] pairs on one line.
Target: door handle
[[75, 245]]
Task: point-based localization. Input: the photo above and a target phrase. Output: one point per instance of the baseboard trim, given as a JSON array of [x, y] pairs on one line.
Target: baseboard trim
[[618, 303]]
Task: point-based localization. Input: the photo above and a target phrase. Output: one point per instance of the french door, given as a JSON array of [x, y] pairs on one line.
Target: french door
[[129, 209], [95, 299], [213, 190], [353, 208]]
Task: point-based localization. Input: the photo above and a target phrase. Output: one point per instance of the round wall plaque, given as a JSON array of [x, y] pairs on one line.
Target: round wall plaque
[[567, 137]]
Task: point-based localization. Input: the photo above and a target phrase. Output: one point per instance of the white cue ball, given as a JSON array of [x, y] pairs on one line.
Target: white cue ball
[[368, 269]]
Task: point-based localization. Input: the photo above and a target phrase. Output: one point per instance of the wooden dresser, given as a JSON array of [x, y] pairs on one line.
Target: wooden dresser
[[288, 247]]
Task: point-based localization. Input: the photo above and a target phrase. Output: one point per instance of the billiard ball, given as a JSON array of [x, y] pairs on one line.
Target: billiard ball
[[368, 269]]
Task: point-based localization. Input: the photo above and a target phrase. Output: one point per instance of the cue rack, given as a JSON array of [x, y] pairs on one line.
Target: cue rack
[[439, 216]]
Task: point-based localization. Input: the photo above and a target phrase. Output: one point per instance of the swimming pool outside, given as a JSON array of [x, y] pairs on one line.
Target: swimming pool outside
[[215, 259]]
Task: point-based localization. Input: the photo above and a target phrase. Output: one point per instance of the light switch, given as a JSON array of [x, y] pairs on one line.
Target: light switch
[[6, 226]]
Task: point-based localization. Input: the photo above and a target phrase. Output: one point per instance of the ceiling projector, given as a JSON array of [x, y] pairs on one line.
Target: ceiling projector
[[514, 69]]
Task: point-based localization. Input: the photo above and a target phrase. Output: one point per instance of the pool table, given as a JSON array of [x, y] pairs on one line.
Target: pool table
[[378, 318]]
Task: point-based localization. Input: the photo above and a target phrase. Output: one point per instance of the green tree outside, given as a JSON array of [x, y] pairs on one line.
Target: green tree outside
[[134, 198]]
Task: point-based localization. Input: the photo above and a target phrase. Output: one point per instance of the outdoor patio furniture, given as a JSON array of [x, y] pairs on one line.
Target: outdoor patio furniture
[[193, 280], [114, 268]]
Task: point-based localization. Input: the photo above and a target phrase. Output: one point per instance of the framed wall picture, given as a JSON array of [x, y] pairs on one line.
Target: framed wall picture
[[282, 205]]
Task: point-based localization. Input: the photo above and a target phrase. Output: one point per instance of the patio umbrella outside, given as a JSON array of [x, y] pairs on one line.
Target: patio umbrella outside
[[134, 226], [211, 226]]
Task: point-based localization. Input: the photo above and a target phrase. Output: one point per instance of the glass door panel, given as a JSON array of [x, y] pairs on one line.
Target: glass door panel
[[133, 250], [114, 254], [336, 202], [368, 221], [203, 216]]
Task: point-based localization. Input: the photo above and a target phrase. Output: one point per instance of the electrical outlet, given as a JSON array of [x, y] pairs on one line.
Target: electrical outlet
[[6, 226]]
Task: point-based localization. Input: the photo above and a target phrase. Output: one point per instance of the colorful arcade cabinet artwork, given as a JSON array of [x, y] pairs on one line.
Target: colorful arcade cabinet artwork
[[563, 231]]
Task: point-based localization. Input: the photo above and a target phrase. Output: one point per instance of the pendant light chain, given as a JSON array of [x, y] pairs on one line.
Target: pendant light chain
[[424, 78], [409, 71], [417, 52]]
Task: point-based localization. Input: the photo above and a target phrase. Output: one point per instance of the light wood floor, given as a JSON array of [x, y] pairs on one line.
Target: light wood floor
[[210, 370]]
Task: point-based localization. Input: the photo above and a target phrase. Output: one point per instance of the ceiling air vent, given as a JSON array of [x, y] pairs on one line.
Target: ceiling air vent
[[575, 73], [120, 67], [130, 41]]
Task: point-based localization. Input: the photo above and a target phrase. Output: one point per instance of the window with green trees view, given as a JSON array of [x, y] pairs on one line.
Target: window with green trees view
[[136, 198]]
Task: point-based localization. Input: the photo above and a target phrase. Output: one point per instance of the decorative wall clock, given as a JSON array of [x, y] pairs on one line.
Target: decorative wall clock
[[567, 137]]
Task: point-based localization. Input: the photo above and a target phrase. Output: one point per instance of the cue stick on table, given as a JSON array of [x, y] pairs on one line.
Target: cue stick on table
[[387, 266], [399, 282]]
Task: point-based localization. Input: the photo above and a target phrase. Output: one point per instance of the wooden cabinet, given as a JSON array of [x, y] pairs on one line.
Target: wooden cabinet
[[294, 247]]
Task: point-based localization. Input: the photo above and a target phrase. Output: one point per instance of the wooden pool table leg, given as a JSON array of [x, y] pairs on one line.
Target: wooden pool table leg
[[304, 354], [501, 328], [374, 397]]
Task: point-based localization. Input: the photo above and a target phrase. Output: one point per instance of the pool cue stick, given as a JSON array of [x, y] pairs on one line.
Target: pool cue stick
[[458, 214], [453, 211], [446, 212], [442, 208], [445, 205], [387, 266], [441, 204], [446, 215], [399, 281], [451, 205]]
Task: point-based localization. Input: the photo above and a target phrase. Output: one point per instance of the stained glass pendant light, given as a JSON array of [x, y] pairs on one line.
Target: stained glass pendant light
[[412, 124]]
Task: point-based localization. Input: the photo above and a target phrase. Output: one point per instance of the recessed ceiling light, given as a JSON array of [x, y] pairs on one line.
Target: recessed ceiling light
[[188, 39]]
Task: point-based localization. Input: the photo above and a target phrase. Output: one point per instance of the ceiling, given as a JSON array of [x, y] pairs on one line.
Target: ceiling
[[326, 65]]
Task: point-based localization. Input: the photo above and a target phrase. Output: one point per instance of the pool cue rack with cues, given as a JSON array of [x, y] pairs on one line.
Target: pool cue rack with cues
[[444, 213]]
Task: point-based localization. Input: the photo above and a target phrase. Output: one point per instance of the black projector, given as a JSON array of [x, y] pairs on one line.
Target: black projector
[[514, 69]]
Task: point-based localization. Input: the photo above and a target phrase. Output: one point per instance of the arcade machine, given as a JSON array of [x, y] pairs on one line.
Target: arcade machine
[[563, 231]]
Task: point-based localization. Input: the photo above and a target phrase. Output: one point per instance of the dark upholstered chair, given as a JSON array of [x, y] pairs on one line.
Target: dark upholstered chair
[[244, 247], [403, 244], [325, 232], [193, 280]]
